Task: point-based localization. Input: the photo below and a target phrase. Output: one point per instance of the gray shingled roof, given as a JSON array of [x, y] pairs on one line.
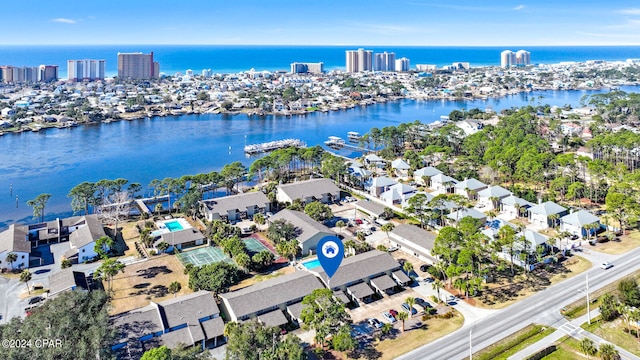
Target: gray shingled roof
[[371, 207], [269, 293], [238, 202], [360, 290], [90, 232], [360, 267], [471, 184], [295, 310], [494, 191], [213, 327], [66, 279], [580, 218], [273, 318], [534, 238], [309, 188], [14, 239], [188, 308], [340, 295], [137, 323], [467, 212], [414, 234], [401, 276], [547, 208], [427, 171], [180, 237], [180, 336], [383, 282], [307, 227]]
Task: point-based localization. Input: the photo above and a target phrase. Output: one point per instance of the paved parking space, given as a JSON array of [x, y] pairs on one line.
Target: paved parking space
[[376, 308]]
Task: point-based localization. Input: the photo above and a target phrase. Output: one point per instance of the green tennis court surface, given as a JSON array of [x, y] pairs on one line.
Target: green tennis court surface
[[202, 256], [254, 246]]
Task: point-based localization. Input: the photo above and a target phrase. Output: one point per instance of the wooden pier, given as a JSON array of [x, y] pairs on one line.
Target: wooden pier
[[338, 143], [273, 145]]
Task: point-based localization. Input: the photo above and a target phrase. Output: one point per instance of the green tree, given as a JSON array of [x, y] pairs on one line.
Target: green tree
[[410, 301], [103, 245], [175, 288], [78, 318], [588, 347], [324, 314], [263, 259], [387, 228], [343, 341], [25, 277], [318, 211], [232, 174], [259, 219], [38, 204], [407, 267], [629, 292], [109, 269], [609, 352], [419, 206], [82, 195], [340, 224], [252, 340], [608, 308], [288, 249], [243, 260], [216, 277], [402, 316], [281, 230], [159, 353], [11, 258], [65, 264], [162, 246]]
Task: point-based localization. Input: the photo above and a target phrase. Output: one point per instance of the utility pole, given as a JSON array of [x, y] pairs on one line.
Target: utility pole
[[470, 345], [588, 302]]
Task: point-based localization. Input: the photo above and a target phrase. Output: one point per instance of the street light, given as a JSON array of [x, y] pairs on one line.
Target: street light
[[470, 345], [586, 291]]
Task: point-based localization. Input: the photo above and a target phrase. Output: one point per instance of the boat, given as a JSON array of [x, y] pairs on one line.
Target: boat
[[335, 142], [273, 145], [353, 136]]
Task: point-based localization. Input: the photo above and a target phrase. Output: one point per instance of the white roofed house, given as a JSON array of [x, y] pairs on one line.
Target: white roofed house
[[400, 167], [527, 241], [546, 214], [443, 184], [491, 197], [514, 207], [423, 176], [323, 190], [469, 188], [398, 194], [581, 223], [309, 231], [455, 216], [15, 240], [235, 207], [374, 160], [377, 185], [83, 239], [358, 174]]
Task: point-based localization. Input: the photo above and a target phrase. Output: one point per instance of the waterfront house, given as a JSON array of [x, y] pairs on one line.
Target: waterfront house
[[414, 241], [400, 167], [374, 160], [469, 188], [67, 280], [442, 184], [398, 194], [423, 176], [83, 239], [491, 197], [189, 320], [323, 190], [235, 207], [379, 184], [273, 302], [547, 214], [360, 275], [580, 223], [15, 240], [308, 231]]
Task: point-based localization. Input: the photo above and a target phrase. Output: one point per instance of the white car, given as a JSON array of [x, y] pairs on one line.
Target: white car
[[606, 265]]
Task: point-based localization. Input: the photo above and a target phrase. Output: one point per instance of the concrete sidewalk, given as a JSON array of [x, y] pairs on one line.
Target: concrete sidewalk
[[573, 329]]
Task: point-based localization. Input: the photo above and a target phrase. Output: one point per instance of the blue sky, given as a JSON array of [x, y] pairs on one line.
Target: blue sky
[[322, 22]]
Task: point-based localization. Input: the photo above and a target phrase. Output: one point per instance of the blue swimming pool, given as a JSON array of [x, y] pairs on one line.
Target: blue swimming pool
[[311, 264], [173, 225]]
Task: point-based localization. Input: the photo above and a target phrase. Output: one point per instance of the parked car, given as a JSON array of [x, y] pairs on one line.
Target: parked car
[[393, 313], [424, 267], [392, 249], [423, 303], [606, 265], [452, 298], [358, 221], [35, 300], [410, 309], [387, 316], [375, 323]]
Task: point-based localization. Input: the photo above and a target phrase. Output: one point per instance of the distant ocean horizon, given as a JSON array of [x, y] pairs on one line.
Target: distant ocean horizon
[[236, 58]]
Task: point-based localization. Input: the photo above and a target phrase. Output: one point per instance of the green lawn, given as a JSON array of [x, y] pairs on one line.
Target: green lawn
[[613, 332], [579, 307], [514, 343], [567, 349]]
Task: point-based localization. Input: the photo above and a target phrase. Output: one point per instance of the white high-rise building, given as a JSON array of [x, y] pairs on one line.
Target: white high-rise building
[[206, 73], [352, 61], [359, 60], [91, 70], [507, 59], [303, 68], [384, 62], [189, 73], [523, 58], [402, 64]]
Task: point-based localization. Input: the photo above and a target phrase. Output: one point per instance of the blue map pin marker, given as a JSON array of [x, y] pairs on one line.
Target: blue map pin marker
[[330, 254]]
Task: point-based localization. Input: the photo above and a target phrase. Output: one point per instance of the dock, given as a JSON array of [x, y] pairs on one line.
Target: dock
[[273, 145], [335, 142], [143, 208]]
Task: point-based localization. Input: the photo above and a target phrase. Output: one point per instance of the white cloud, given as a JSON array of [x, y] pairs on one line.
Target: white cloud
[[64, 20], [632, 11], [519, 7]]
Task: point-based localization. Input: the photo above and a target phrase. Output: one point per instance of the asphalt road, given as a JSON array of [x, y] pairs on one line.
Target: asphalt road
[[542, 308]]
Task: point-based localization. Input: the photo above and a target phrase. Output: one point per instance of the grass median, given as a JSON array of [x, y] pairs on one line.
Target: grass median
[[514, 342]]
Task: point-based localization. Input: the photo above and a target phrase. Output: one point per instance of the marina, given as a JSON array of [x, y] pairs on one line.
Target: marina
[[353, 136], [338, 143], [273, 145]]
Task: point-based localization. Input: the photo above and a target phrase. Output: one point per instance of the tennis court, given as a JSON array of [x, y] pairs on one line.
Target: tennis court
[[202, 256], [254, 246]]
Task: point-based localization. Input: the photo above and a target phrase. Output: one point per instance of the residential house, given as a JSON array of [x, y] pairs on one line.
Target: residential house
[[398, 194], [309, 231], [469, 188], [491, 197], [469, 126], [400, 167], [513, 207], [374, 160], [355, 276], [458, 215], [181, 239], [546, 214], [15, 240], [374, 209], [323, 190], [377, 185], [83, 239], [235, 207], [580, 223], [414, 241], [273, 302], [358, 174], [67, 280], [190, 320], [443, 184], [423, 176]]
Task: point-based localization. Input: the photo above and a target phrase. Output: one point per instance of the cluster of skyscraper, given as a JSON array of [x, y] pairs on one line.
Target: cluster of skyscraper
[[28, 74], [509, 58], [365, 60], [85, 70], [311, 68]]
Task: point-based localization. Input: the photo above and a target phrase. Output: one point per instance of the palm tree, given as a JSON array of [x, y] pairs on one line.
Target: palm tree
[[259, 219], [494, 201], [609, 352], [410, 301], [554, 220], [25, 277], [340, 224], [437, 285], [387, 228], [175, 287], [402, 316], [407, 267], [588, 347], [491, 214], [11, 258]]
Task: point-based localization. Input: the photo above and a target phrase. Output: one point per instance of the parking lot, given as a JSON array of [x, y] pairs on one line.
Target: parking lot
[[375, 309]]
